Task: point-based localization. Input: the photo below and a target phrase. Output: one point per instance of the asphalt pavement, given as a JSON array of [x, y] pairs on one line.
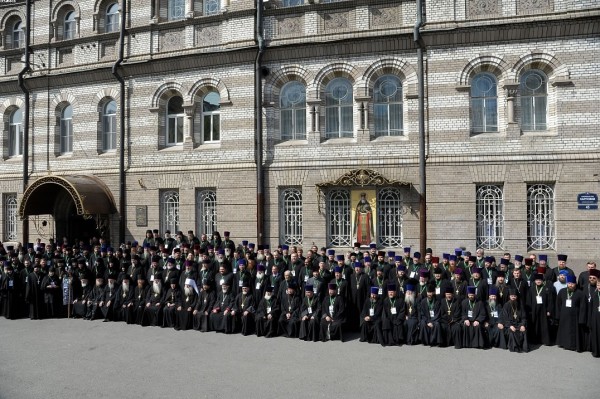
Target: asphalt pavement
[[91, 359]]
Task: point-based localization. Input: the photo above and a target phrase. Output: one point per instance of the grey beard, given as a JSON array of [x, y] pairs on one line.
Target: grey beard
[[492, 304], [156, 288], [125, 288], [260, 258], [188, 291], [409, 299]]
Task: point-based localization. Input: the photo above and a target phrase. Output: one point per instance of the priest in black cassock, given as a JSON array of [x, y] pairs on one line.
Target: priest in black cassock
[[52, 288], [289, 320], [515, 323], [267, 314], [310, 313], [359, 291], [219, 319], [81, 294], [473, 317], [429, 318], [11, 291], [594, 322], [243, 310], [571, 315], [110, 294], [392, 323], [540, 306], [411, 334], [204, 306], [124, 301], [333, 315], [494, 326], [173, 300], [189, 299], [33, 293], [370, 318], [450, 319], [153, 312], [140, 293]]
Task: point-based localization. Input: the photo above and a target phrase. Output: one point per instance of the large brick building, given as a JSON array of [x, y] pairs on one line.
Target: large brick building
[[511, 121]]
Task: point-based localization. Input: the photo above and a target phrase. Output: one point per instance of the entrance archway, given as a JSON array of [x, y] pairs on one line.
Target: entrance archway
[[80, 205]]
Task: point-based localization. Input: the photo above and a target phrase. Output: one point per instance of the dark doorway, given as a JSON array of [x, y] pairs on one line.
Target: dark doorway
[[69, 224]]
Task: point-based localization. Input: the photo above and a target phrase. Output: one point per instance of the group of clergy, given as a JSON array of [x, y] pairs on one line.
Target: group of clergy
[[463, 301]]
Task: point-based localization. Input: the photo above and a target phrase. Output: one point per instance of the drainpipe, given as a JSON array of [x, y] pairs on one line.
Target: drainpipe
[[422, 174], [26, 69], [115, 72], [258, 148]]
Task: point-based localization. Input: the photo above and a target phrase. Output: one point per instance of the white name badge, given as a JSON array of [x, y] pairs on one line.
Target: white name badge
[[470, 313], [268, 309], [393, 310], [495, 314], [294, 273], [27, 279], [529, 283], [10, 283], [437, 291], [412, 274], [151, 278], [568, 303], [234, 270], [343, 276], [258, 286], [489, 281], [598, 308], [221, 281], [371, 312], [240, 283], [310, 309], [305, 279], [538, 300], [331, 309], [431, 313], [380, 291]]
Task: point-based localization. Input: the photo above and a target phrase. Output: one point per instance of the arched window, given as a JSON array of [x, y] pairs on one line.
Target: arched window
[[534, 100], [206, 211], [490, 217], [484, 103], [290, 206], [540, 217], [109, 126], [169, 210], [293, 111], [175, 115], [176, 9], [211, 117], [11, 208], [389, 217], [111, 22], [15, 136], [387, 107], [66, 130], [70, 26], [17, 35], [211, 7], [292, 3], [338, 218], [338, 109]]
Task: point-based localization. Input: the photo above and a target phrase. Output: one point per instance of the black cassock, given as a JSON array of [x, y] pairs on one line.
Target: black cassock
[[153, 312], [310, 317], [34, 296], [540, 305], [473, 335], [411, 326], [392, 321], [52, 289], [202, 312], [334, 308], [217, 320], [290, 315], [370, 331], [513, 315], [265, 325], [172, 302], [139, 304], [243, 322], [107, 308], [80, 298], [495, 335], [450, 323], [594, 324], [11, 291], [429, 313], [96, 297], [359, 286], [124, 305], [184, 313], [571, 318]]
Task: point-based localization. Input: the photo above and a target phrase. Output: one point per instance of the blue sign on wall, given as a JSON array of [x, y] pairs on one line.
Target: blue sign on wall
[[587, 201]]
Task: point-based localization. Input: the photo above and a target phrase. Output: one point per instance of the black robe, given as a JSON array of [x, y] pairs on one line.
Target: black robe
[[203, 310], [172, 301], [513, 315], [333, 308], [124, 305], [223, 304], [472, 312], [140, 294], [571, 320], [184, 313], [107, 308], [411, 330], [81, 295], [52, 289], [243, 318], [153, 312], [392, 322], [11, 292], [310, 316], [34, 296], [266, 317], [289, 319], [370, 330], [450, 323], [594, 324], [540, 306], [494, 327], [96, 298], [429, 313]]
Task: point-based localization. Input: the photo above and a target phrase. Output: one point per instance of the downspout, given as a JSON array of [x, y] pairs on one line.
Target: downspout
[[115, 72], [26, 69], [422, 173], [258, 147]]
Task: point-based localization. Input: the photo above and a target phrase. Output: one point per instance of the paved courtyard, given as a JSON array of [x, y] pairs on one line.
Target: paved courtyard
[[82, 359]]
